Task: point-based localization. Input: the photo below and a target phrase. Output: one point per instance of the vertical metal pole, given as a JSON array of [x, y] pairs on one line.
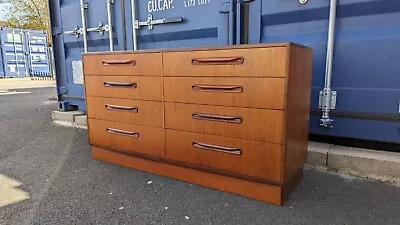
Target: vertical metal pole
[[110, 27], [239, 21], [327, 92], [16, 53], [26, 41], [134, 37], [123, 24], [83, 6]]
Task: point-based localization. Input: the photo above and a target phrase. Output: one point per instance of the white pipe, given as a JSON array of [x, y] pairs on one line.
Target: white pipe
[[134, 37], [329, 60], [331, 44], [110, 27], [84, 31]]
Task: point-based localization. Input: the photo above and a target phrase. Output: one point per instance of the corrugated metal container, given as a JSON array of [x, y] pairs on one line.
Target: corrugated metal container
[[37, 49], [23, 53], [15, 62], [365, 72]]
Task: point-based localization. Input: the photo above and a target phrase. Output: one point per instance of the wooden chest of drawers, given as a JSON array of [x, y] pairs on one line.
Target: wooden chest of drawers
[[230, 118]]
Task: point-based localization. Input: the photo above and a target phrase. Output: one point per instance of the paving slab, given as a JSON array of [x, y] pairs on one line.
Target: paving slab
[[66, 116], [365, 161], [318, 153], [81, 120]]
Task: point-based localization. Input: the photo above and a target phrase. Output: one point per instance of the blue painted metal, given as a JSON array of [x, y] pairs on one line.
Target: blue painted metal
[[13, 53], [365, 66], [205, 23], [37, 49], [20, 53]]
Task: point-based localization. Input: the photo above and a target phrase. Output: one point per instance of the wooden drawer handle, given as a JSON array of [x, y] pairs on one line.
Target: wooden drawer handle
[[120, 84], [118, 62], [122, 108], [218, 88], [217, 148], [123, 132], [218, 61], [219, 118]]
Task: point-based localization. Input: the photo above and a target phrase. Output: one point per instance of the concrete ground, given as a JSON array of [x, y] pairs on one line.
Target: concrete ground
[[52, 167]]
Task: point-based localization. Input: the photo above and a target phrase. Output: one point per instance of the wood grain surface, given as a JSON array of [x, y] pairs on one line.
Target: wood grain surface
[[148, 140], [148, 113], [147, 88], [244, 123], [123, 64], [257, 159], [266, 93], [266, 62]]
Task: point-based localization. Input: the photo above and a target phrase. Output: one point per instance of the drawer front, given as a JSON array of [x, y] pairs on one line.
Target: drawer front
[[130, 87], [253, 62], [244, 123], [251, 158], [242, 92], [123, 64], [148, 113], [131, 137]]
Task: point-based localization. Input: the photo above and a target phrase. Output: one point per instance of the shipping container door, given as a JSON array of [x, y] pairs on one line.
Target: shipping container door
[[13, 49], [366, 64], [184, 23], [68, 40], [38, 61]]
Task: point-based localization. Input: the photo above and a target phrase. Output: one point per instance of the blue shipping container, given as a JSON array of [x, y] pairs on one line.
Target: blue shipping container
[[37, 50], [365, 72], [23, 53]]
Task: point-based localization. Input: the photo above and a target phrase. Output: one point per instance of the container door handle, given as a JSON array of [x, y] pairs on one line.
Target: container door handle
[[218, 88], [118, 62], [123, 132], [218, 61], [122, 108], [120, 84], [217, 148], [218, 118]]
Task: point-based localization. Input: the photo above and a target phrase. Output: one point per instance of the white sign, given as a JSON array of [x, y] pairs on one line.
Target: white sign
[[159, 5]]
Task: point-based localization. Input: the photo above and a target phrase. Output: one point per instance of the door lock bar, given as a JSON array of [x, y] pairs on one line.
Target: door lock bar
[[101, 28], [150, 22]]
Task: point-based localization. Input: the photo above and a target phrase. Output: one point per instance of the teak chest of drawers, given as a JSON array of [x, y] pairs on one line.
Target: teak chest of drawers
[[230, 118]]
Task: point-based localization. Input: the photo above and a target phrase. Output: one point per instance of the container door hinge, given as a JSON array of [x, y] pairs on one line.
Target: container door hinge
[[150, 22], [56, 31]]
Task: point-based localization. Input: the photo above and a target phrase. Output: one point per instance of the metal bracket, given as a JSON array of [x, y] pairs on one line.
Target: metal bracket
[[56, 31], [100, 29], [303, 2], [227, 7], [76, 31], [150, 22], [85, 6], [323, 99]]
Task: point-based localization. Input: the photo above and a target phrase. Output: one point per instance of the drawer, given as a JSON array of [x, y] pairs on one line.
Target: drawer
[[242, 92], [149, 64], [250, 158], [139, 112], [130, 87], [131, 137], [245, 123], [253, 62]]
